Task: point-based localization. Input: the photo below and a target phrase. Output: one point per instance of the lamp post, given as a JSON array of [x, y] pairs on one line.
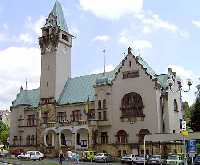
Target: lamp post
[[180, 89]]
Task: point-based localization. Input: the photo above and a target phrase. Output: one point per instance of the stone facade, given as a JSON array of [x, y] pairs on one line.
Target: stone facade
[[122, 106]]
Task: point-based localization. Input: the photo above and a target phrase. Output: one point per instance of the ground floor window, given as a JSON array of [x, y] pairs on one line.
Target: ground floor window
[[104, 138]]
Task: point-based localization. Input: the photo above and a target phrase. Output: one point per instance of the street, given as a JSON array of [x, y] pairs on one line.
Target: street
[[49, 162]]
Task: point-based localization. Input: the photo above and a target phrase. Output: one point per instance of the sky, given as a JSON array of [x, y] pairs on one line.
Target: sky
[[164, 33]]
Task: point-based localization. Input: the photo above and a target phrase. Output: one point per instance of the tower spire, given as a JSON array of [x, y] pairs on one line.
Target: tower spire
[[58, 14]]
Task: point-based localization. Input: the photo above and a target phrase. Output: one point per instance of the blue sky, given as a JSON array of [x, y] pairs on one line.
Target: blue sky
[[165, 33]]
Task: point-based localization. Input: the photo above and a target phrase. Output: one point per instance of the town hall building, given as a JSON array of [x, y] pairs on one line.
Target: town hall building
[[106, 112]]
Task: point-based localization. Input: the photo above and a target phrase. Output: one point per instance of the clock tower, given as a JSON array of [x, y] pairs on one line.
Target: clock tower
[[55, 44]]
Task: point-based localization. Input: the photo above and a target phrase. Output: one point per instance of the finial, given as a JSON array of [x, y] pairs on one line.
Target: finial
[[129, 50]]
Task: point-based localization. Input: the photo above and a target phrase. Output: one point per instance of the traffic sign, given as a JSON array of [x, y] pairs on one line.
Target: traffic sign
[[192, 146]]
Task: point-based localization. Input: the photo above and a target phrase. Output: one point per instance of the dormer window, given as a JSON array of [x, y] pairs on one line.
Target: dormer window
[[64, 37]]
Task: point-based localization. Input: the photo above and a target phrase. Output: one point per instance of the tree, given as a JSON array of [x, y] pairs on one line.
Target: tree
[[3, 133], [187, 112], [195, 116]]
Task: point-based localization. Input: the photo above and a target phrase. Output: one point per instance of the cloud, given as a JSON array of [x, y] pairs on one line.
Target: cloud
[[136, 43], [26, 38], [102, 38], [108, 68], [35, 26], [111, 9], [186, 74], [196, 23], [153, 22], [74, 30], [17, 64]]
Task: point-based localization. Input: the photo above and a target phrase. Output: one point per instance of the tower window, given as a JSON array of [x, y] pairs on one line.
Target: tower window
[[130, 63], [47, 84], [175, 105], [64, 37]]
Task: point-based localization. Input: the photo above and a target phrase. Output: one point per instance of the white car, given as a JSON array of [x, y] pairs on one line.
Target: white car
[[128, 158], [33, 155]]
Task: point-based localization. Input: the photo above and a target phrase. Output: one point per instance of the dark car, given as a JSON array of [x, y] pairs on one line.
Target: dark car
[[197, 160], [103, 157], [155, 159]]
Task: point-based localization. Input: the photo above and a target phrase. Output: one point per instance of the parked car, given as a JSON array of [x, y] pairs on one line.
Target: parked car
[[197, 160], [175, 160], [103, 157], [3, 152], [128, 158], [33, 155], [155, 159], [139, 160]]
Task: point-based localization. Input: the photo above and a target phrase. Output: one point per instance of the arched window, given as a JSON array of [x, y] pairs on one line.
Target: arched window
[[99, 104], [122, 137], [142, 133], [175, 105], [132, 105], [104, 103]]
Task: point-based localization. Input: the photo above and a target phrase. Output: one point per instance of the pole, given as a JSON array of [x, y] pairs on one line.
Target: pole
[[144, 150], [104, 62], [185, 152]]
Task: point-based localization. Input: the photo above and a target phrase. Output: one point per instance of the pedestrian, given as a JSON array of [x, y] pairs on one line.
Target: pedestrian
[[69, 155], [77, 158], [61, 157]]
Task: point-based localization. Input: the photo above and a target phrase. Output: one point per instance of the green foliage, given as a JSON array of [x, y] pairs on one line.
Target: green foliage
[[3, 133], [187, 112], [195, 116], [198, 148]]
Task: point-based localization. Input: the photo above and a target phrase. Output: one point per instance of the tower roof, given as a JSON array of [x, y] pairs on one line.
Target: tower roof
[[58, 13]]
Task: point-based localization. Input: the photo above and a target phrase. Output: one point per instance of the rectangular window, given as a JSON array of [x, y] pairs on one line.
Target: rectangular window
[[104, 138], [15, 140], [104, 115], [31, 120], [99, 115], [45, 118], [130, 74], [61, 116], [76, 115]]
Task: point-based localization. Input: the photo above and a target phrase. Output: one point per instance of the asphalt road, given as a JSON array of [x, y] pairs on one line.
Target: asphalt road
[[51, 162]]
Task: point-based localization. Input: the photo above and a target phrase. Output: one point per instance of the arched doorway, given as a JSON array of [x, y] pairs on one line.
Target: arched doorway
[[49, 138], [82, 138], [66, 137]]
